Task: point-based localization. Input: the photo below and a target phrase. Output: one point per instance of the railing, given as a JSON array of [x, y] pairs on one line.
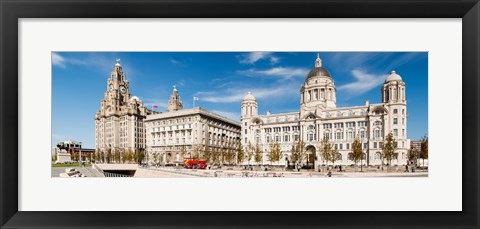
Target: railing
[[108, 174]]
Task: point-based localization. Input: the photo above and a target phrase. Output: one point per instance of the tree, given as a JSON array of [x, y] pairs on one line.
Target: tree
[[250, 152], [109, 155], [139, 156], [389, 148], [197, 149], [207, 155], [229, 155], [412, 154], [215, 156], [298, 152], [258, 155], [275, 152], [424, 149], [240, 154], [326, 151], [183, 152], [357, 152]]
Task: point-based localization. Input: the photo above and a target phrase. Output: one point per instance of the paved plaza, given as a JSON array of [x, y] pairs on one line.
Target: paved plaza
[[169, 172]]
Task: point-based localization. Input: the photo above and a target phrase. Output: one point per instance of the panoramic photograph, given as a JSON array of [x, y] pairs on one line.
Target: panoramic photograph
[[239, 114]]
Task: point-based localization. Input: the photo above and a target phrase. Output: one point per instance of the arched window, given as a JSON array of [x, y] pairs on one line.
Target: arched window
[[364, 156], [350, 156], [339, 114], [350, 113], [362, 112], [378, 155], [339, 157], [311, 127]]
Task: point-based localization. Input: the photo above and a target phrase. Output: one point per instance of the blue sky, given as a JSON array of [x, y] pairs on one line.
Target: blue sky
[[221, 79]]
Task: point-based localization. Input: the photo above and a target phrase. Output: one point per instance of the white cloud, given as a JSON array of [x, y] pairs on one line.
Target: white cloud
[[364, 82], [252, 57], [277, 72], [236, 95], [231, 115], [58, 60]]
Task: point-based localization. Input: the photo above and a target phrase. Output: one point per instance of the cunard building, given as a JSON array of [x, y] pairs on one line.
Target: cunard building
[[319, 117], [119, 124], [177, 133]]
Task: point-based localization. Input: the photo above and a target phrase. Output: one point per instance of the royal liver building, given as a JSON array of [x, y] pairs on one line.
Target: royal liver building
[[319, 118]]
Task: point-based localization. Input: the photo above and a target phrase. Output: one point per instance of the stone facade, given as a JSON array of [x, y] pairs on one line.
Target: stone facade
[[319, 118], [175, 134], [119, 124]]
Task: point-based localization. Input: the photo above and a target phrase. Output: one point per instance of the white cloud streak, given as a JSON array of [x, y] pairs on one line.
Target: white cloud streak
[[252, 57], [364, 82], [60, 61], [231, 115], [236, 95], [281, 72]]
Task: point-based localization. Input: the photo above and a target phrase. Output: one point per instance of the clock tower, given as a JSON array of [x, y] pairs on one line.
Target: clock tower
[[119, 122]]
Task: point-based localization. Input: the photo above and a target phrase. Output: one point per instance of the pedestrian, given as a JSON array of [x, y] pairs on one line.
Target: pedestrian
[[406, 168]]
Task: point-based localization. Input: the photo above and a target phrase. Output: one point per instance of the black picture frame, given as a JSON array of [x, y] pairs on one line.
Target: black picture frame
[[11, 11]]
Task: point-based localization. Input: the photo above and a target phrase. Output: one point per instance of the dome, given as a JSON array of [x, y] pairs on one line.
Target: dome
[[393, 77], [249, 96], [135, 98], [318, 71]]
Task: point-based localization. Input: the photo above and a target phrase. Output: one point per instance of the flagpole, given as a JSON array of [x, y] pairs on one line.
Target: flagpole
[[193, 101]]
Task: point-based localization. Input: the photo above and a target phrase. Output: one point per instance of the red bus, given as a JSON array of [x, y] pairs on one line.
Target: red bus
[[194, 164]]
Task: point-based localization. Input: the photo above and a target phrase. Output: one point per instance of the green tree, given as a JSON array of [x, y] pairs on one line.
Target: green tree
[[297, 152], [250, 152], [258, 155], [183, 152], [139, 156], [197, 150], [412, 154], [424, 149], [357, 151], [326, 151], [240, 154], [229, 156], [275, 152], [109, 156], [389, 149], [207, 154]]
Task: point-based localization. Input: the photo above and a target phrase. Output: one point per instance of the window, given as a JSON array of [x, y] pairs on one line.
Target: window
[[312, 127], [377, 133], [296, 138], [350, 124], [268, 138], [349, 135], [336, 146], [395, 132], [245, 131], [395, 111], [350, 156], [377, 123], [339, 114], [365, 145], [268, 130], [339, 157], [403, 111], [395, 121], [374, 145], [350, 113], [403, 121], [286, 138], [380, 145], [295, 128], [327, 126], [348, 145], [362, 123], [403, 132], [341, 146], [378, 155], [362, 134], [277, 138], [338, 125], [362, 112], [339, 135], [245, 140], [364, 156]]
